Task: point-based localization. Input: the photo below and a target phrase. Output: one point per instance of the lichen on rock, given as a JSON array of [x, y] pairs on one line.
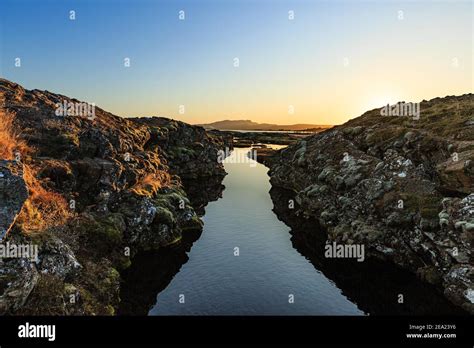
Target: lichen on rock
[[119, 183], [397, 185]]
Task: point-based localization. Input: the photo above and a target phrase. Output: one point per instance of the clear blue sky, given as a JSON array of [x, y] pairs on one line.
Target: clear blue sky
[[282, 62]]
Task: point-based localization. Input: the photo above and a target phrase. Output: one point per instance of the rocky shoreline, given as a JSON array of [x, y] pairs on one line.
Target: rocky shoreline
[[402, 187], [96, 193], [107, 200], [373, 284]]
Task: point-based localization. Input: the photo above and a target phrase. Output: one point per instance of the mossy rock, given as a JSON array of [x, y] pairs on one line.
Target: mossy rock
[[109, 229], [47, 298], [427, 206], [99, 287], [104, 234], [384, 135], [177, 152], [171, 200], [164, 216], [123, 262], [194, 224]]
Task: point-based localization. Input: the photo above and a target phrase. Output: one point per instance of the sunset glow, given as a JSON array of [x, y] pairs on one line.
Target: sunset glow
[[331, 62]]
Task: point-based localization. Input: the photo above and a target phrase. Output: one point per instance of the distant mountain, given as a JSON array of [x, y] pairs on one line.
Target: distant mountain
[[250, 125]]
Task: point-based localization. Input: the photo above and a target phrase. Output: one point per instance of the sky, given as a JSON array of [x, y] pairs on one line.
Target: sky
[[331, 62]]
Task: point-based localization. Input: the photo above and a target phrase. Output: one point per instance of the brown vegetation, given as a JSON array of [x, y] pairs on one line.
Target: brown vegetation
[[43, 209], [151, 183], [10, 142]]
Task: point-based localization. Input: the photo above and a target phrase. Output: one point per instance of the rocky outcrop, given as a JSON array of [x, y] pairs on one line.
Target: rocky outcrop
[[122, 182], [190, 151], [373, 284], [152, 271], [18, 278], [13, 194], [403, 187], [263, 155]]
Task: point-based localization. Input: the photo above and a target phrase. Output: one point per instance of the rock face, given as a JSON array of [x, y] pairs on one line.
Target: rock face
[[265, 155], [373, 284], [190, 151], [152, 271], [121, 179], [13, 194], [19, 277], [403, 187]]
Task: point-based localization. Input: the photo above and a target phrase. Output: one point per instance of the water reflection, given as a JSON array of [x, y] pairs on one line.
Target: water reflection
[[271, 265], [373, 285], [152, 271]]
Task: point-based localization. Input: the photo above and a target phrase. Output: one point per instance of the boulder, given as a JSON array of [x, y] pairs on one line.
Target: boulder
[[13, 194]]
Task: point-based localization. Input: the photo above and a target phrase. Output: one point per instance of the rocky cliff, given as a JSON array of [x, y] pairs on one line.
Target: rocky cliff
[[402, 186], [91, 190]]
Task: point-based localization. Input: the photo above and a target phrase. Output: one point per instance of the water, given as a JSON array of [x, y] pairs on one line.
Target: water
[[281, 256], [269, 131], [267, 273]]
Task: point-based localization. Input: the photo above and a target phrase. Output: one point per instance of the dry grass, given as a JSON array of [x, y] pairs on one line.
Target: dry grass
[[10, 142], [43, 209], [151, 183]]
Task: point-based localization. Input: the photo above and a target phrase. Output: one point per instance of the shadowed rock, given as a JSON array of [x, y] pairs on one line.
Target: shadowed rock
[[13, 194], [400, 186], [122, 181], [374, 285]]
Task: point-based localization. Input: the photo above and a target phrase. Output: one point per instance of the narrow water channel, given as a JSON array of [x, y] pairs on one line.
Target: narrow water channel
[[279, 267], [244, 262]]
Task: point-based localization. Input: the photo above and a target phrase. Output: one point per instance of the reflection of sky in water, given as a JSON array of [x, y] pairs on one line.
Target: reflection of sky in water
[[275, 146], [268, 270]]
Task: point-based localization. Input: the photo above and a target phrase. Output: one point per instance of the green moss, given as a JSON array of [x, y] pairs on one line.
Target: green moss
[[164, 216], [47, 297], [102, 236], [111, 230], [105, 232], [109, 310], [428, 206], [99, 288], [123, 263], [171, 200], [176, 152], [91, 306], [384, 135], [410, 201], [128, 207], [194, 224], [174, 241]]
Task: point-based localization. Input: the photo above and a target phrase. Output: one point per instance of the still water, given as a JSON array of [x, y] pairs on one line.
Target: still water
[[244, 262]]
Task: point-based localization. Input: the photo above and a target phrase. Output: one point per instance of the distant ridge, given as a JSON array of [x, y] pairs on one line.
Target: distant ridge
[[250, 125]]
